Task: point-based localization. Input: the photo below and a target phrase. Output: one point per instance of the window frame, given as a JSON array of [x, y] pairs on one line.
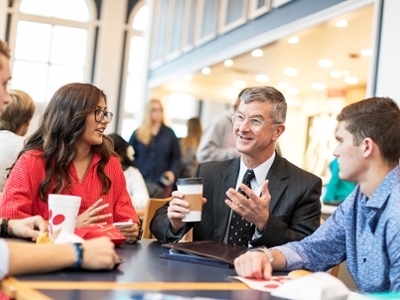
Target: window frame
[[89, 26]]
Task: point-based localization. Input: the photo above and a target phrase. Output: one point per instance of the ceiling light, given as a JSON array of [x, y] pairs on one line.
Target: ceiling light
[[282, 85], [351, 80], [206, 71], [325, 63], [261, 78], [228, 63], [239, 84], [293, 40], [336, 74], [257, 53], [290, 72], [366, 52], [292, 91], [319, 86], [341, 23], [188, 77]]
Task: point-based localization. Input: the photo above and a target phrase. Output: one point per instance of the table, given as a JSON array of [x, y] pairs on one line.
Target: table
[[143, 272]]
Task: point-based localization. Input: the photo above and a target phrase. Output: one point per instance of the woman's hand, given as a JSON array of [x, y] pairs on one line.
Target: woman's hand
[[131, 232], [91, 216]]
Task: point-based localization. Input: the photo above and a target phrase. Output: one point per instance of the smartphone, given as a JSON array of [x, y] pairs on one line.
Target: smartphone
[[123, 224]]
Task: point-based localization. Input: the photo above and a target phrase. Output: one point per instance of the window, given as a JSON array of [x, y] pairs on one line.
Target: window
[[180, 106], [206, 27], [259, 7], [233, 14], [50, 50], [134, 95]]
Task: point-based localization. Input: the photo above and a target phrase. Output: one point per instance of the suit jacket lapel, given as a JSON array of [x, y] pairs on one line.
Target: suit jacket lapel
[[276, 176]]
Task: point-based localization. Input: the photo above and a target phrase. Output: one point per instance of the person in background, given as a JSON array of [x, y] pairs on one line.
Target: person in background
[[134, 180], [337, 189], [283, 203], [217, 142], [157, 152], [364, 229], [69, 154], [22, 258], [189, 146], [14, 125]]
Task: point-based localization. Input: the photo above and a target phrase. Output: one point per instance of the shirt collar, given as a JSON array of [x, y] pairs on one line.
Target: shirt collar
[[260, 172], [385, 188]]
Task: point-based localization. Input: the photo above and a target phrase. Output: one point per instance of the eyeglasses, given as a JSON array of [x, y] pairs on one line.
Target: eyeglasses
[[254, 123], [99, 115]]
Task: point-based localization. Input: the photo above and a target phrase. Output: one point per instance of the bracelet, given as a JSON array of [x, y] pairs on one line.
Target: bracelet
[[265, 250], [4, 228], [79, 255]]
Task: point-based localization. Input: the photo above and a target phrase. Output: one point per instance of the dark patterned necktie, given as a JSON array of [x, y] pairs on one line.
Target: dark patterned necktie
[[239, 227]]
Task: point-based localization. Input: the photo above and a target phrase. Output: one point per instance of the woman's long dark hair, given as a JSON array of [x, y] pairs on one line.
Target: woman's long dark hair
[[61, 126], [120, 147]]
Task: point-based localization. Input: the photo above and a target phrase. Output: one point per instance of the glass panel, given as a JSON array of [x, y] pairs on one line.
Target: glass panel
[[136, 55], [31, 77], [192, 22], [177, 26], [160, 26], [180, 105], [210, 10], [75, 10], [65, 49], [141, 19], [128, 126], [37, 7], [234, 10], [261, 3], [33, 41], [61, 75], [179, 129], [134, 93]]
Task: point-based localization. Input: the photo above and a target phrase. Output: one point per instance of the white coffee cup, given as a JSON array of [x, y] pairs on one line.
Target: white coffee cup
[[63, 210], [192, 188]]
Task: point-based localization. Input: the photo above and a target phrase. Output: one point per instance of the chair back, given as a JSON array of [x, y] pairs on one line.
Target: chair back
[[152, 205]]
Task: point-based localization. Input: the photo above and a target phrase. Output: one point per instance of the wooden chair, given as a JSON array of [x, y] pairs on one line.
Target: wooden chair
[[335, 271], [152, 205]]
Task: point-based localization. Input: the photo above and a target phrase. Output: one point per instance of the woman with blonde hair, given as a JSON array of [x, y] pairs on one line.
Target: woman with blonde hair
[[70, 154], [14, 124], [157, 152], [189, 145]]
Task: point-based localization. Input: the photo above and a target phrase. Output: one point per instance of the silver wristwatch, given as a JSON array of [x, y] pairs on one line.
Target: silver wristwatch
[[265, 250]]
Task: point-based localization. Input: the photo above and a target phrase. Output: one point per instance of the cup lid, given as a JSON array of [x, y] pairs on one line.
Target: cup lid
[[189, 181]]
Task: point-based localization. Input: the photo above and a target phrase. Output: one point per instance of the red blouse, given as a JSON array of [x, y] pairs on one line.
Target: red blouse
[[20, 198]]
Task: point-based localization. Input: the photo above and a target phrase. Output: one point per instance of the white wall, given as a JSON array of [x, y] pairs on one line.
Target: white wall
[[388, 61], [109, 52]]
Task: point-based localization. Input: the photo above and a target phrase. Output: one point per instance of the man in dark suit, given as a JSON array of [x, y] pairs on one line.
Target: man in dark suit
[[283, 203]]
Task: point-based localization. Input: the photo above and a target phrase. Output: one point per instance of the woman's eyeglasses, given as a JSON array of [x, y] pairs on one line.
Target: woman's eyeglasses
[[99, 115]]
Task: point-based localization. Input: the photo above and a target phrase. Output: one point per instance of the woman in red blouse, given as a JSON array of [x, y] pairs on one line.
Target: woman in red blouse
[[69, 154]]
